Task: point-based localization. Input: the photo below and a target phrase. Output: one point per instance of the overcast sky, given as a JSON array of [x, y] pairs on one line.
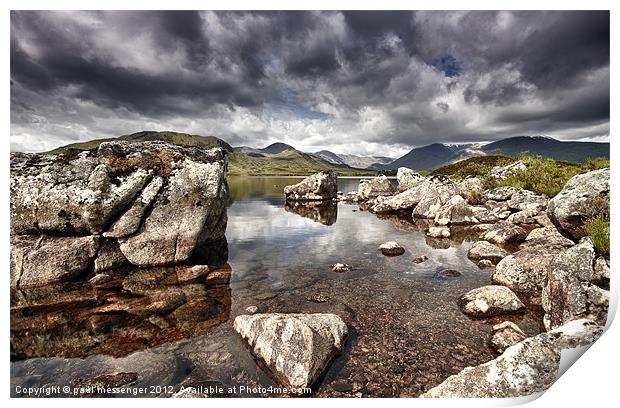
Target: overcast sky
[[351, 82]]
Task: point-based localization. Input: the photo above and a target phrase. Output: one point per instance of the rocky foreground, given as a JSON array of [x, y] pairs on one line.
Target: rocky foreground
[[540, 253], [136, 217]]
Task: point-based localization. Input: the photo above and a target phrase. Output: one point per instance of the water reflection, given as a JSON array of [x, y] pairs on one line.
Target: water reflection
[[324, 212]]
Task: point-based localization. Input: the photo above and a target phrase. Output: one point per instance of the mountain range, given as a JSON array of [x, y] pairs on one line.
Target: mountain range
[[281, 158]]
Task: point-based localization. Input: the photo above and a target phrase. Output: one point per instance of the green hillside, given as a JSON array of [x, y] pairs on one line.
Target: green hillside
[[290, 162]]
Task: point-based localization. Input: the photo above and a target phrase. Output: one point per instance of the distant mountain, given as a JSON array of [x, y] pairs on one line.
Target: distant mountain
[[424, 158], [437, 154], [276, 148], [182, 139], [576, 152], [352, 160], [275, 159]]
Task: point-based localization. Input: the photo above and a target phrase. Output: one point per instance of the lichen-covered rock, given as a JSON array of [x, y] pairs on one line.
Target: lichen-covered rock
[[500, 193], [525, 368], [525, 271], [457, 211], [391, 248], [297, 348], [525, 200], [408, 178], [377, 186], [504, 232], [506, 334], [547, 236], [130, 221], [424, 199], [188, 213], [490, 300], [486, 250], [585, 196], [503, 172], [471, 189], [601, 270], [161, 202], [569, 293], [41, 260], [109, 256], [317, 187]]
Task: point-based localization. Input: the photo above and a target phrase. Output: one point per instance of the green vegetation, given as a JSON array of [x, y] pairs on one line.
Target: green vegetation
[[598, 229], [479, 166], [544, 176], [548, 176]]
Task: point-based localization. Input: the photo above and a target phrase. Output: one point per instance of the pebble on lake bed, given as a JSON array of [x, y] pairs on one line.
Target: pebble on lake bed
[[391, 248], [251, 309], [420, 259], [485, 263], [341, 267]]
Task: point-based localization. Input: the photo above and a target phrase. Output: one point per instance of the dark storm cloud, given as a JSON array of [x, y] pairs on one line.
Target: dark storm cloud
[[354, 82]]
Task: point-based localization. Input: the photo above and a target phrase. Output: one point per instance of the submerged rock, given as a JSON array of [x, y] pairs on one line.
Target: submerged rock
[[420, 259], [484, 250], [491, 300], [317, 187], [506, 334], [297, 348], [391, 248], [341, 267], [584, 197], [525, 368]]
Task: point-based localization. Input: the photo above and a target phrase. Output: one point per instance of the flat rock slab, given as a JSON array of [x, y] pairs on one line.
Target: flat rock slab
[[490, 300], [297, 348]]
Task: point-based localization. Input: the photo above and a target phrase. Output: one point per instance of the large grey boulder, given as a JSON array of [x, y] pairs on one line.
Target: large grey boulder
[[456, 211], [569, 291], [297, 348], [504, 232], [377, 186], [41, 260], [317, 187], [490, 300], [408, 178], [471, 188], [486, 250], [525, 271], [525, 200], [585, 196], [155, 202], [425, 199], [547, 237], [525, 368]]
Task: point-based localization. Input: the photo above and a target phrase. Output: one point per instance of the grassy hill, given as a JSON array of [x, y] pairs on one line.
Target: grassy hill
[[287, 162]]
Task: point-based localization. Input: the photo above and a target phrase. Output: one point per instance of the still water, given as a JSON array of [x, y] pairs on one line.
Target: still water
[[407, 333]]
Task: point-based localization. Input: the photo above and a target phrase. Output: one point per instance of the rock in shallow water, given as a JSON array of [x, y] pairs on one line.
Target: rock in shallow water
[[491, 300], [297, 348], [504, 232], [341, 267], [506, 334], [484, 250], [391, 248], [523, 369], [317, 187]]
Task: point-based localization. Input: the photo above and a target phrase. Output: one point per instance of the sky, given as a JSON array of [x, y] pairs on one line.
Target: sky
[[369, 83]]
